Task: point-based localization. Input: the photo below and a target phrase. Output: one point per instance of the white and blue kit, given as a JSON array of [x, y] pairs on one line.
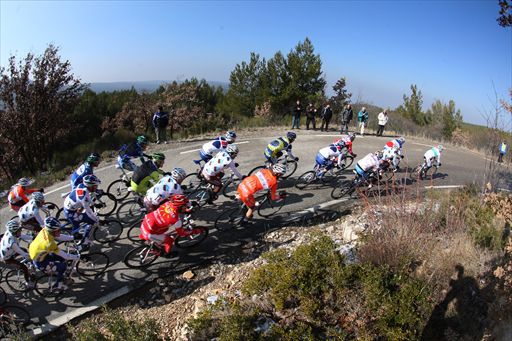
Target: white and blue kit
[[210, 149], [326, 156], [78, 209], [163, 190], [30, 211], [78, 175], [128, 152]]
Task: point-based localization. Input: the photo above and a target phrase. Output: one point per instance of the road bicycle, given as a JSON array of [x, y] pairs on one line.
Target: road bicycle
[[288, 161], [423, 172], [200, 190], [321, 175], [119, 188], [144, 255], [266, 207], [348, 188]]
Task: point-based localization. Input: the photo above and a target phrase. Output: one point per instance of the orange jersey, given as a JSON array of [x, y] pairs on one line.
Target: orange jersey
[[18, 194], [263, 179], [158, 221]]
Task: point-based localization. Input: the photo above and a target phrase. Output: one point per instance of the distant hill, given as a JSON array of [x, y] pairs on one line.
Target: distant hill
[[149, 86]]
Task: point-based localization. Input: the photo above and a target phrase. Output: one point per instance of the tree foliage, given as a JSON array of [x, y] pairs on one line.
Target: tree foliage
[[505, 18], [412, 107], [341, 95]]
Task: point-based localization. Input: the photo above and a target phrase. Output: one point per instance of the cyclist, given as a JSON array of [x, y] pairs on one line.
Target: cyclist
[[326, 156], [18, 193], [93, 160], [9, 249], [433, 154], [370, 164], [78, 206], [210, 149], [132, 151], [168, 186], [275, 148], [346, 141], [147, 174], [44, 250], [156, 225], [29, 213], [213, 169], [393, 151], [265, 179]]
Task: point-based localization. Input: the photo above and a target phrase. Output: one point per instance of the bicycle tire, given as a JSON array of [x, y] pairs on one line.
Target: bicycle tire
[[130, 211], [201, 196], [119, 189], [108, 231], [270, 207], [430, 173], [185, 242], [18, 315], [59, 213], [45, 286], [305, 179], [92, 264], [414, 174], [3, 296], [229, 189], [133, 259], [15, 280], [52, 208], [192, 182], [228, 219], [349, 159], [255, 169], [291, 167], [339, 192], [102, 206]]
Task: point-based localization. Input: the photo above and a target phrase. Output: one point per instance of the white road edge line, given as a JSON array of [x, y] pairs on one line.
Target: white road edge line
[[195, 150], [445, 186]]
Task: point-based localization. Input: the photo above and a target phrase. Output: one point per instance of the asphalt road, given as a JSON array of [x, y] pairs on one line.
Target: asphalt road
[[459, 167]]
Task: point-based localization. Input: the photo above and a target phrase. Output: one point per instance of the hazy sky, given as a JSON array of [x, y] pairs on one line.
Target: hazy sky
[[450, 49]]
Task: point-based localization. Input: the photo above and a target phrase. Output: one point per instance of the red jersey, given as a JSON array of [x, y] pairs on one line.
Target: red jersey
[[158, 221]]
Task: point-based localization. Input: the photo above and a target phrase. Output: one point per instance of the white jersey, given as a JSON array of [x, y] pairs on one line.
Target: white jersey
[[9, 246], [163, 190], [214, 147], [389, 153], [330, 152], [368, 162], [221, 161], [80, 198], [29, 211], [433, 153]]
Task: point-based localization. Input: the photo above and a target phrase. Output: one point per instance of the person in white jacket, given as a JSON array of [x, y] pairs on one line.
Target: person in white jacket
[[383, 120]]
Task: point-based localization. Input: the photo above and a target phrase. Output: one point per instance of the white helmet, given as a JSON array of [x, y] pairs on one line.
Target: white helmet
[[38, 197], [278, 169], [25, 182], [178, 174], [232, 150], [230, 136], [441, 148]]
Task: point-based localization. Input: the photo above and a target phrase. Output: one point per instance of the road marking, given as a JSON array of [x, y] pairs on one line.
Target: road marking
[[446, 186], [195, 150]]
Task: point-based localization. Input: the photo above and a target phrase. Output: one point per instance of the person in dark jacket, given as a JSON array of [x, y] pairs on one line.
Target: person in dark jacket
[[310, 116], [296, 111], [160, 123], [326, 117], [346, 117]]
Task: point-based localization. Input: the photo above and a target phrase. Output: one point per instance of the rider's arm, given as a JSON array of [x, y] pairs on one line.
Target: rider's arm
[[439, 159], [289, 151], [67, 256], [37, 216], [234, 169], [20, 251], [90, 213]]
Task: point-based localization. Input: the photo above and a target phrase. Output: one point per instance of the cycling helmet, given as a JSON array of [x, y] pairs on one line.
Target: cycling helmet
[[13, 226], [25, 182], [401, 140], [441, 148], [291, 136], [278, 169], [52, 224], [379, 154], [179, 200], [91, 180], [38, 197], [178, 174], [352, 136], [93, 158], [231, 136], [232, 150], [158, 157], [142, 140]]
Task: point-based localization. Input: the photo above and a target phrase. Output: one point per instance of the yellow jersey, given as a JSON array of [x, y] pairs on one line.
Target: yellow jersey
[[43, 244]]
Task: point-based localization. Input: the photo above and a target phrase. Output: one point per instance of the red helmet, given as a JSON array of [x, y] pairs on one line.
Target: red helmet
[[339, 142], [179, 200]]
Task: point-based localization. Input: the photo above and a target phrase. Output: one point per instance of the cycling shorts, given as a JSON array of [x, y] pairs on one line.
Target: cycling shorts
[[126, 164], [204, 156], [322, 161]]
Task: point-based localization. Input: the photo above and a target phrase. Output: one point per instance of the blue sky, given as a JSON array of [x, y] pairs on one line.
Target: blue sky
[[450, 49]]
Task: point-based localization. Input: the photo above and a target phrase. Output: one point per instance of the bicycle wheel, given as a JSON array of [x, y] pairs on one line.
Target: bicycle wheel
[[347, 161], [414, 174], [255, 169], [291, 167], [119, 189], [141, 257], [108, 231], [16, 280], [305, 179], [197, 236], [229, 190], [429, 173], [50, 209], [92, 264], [341, 191], [60, 212], [201, 195], [134, 232], [191, 182], [46, 286], [228, 219], [270, 207], [130, 211], [14, 314], [105, 204]]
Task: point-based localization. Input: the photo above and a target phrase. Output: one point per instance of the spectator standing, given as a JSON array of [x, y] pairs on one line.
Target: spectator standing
[[503, 151], [297, 110], [346, 117], [383, 120], [160, 123], [362, 118], [310, 116], [326, 117]]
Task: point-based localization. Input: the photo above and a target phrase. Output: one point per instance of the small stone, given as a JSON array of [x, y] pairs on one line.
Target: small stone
[[160, 301], [188, 275], [168, 298], [160, 282], [212, 299]]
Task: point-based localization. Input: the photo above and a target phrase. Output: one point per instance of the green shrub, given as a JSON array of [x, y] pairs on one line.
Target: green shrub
[[112, 325]]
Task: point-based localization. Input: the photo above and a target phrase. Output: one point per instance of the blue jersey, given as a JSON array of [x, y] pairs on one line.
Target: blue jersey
[[131, 151], [78, 175]]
